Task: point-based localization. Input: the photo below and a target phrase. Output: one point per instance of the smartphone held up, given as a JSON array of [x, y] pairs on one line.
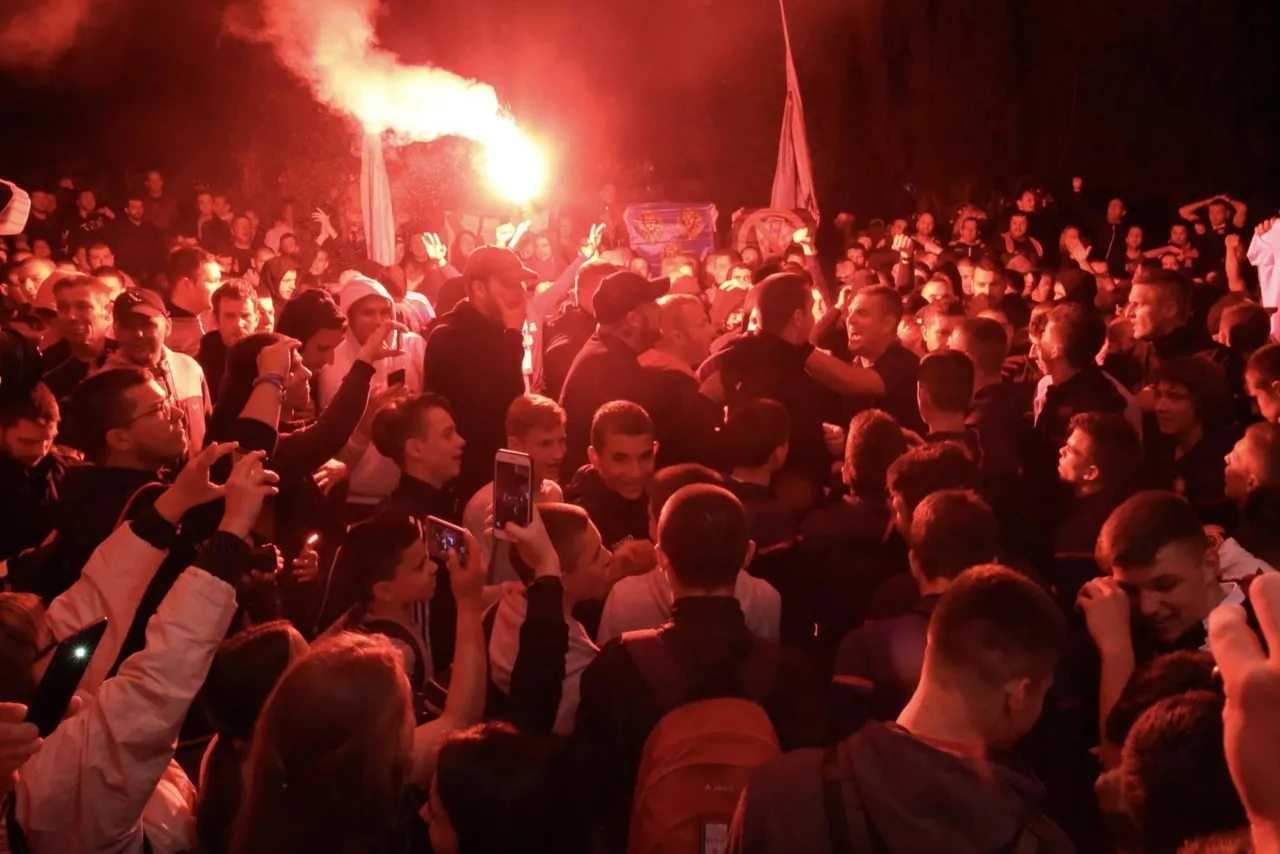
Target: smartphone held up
[[512, 491]]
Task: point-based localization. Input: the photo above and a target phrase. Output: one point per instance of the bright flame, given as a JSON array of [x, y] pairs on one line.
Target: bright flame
[[515, 166], [331, 44]]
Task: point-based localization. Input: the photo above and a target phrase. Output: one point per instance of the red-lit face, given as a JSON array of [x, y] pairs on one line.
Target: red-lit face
[[625, 463]]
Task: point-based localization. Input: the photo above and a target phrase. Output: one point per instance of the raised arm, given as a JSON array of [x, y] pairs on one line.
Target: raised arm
[[842, 377]]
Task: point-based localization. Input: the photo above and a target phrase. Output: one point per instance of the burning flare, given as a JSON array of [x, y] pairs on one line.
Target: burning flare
[[331, 44]]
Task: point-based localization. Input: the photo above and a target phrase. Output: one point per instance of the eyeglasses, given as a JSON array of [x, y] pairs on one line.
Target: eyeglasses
[[164, 409]]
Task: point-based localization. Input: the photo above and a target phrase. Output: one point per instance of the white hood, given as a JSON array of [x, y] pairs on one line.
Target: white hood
[[357, 288]]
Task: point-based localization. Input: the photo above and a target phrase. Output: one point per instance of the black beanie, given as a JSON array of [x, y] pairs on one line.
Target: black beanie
[[309, 312]]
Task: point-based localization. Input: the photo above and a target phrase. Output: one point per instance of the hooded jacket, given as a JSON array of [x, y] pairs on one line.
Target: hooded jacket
[[373, 476], [918, 799]]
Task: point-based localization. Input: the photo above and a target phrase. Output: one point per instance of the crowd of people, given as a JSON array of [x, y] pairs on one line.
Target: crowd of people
[[935, 534]]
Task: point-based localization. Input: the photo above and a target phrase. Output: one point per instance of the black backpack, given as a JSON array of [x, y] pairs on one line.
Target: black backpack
[[851, 832]]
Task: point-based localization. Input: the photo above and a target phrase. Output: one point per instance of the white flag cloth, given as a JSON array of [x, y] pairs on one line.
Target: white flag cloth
[[375, 202], [793, 179]]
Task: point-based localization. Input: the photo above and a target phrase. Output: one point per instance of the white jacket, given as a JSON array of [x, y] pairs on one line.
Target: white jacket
[[1264, 249], [111, 765], [373, 476], [644, 602]]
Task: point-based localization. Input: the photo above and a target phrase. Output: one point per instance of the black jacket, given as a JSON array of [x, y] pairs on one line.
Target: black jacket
[[618, 519], [30, 494], [606, 369], [709, 641], [1088, 391], [212, 357], [765, 366], [565, 336], [475, 362], [416, 498], [686, 421], [139, 249]]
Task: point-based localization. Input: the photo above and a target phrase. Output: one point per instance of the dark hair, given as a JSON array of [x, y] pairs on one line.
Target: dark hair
[[1174, 775], [184, 263], [781, 296], [988, 344], [243, 674], [399, 422], [237, 382], [1265, 362], [1144, 524], [952, 530], [590, 275], [307, 313], [1083, 332], [1172, 285], [703, 532], [947, 376], [39, 405], [20, 618], [619, 418], [98, 405], [533, 412], [68, 282], [1204, 381], [875, 442], [1248, 326], [565, 524], [1259, 529], [236, 290], [371, 553], [887, 296], [755, 430], [672, 479], [996, 624], [1116, 446], [503, 789], [930, 468], [1164, 676]]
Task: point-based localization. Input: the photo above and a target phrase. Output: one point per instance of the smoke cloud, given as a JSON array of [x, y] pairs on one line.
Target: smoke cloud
[[37, 33], [332, 46]]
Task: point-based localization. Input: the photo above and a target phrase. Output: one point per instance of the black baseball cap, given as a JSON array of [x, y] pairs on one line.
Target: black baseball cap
[[496, 262], [623, 292], [138, 302]]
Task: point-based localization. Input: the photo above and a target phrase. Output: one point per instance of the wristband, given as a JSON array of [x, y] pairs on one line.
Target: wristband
[[270, 379]]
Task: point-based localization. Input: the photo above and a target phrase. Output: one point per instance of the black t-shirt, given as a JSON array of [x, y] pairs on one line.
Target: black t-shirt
[[1212, 246], [897, 367]]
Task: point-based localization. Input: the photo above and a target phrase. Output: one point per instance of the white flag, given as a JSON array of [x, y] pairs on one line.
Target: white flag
[[375, 203], [793, 179]]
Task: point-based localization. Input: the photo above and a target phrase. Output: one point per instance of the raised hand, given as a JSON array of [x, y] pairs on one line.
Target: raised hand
[[245, 491], [435, 248], [322, 219], [532, 542], [379, 345], [1106, 613], [277, 357], [467, 581], [591, 248], [192, 486]]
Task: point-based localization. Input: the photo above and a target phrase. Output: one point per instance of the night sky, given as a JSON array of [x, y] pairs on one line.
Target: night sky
[[1163, 100]]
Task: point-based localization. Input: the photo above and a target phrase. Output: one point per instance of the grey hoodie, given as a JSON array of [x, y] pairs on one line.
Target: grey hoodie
[[918, 799]]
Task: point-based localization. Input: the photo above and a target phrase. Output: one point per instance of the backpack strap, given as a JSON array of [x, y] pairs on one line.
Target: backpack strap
[[397, 632], [846, 819], [664, 678]]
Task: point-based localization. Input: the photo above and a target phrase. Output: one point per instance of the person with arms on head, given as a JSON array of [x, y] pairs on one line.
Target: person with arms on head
[[475, 354], [1194, 416], [1226, 216], [127, 794], [1160, 587], [705, 652], [878, 665], [235, 315], [84, 319], [535, 426], [642, 597], [368, 307], [613, 487], [607, 368], [994, 639], [688, 430], [192, 276], [31, 468]]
